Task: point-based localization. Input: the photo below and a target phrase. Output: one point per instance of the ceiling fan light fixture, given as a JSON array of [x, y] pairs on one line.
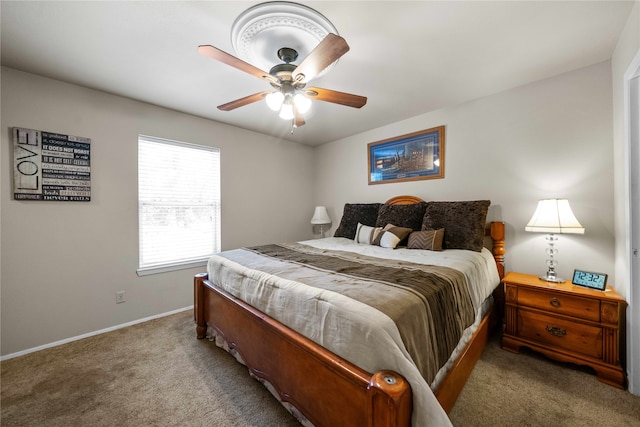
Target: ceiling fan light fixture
[[286, 112], [274, 100], [303, 104], [290, 97]]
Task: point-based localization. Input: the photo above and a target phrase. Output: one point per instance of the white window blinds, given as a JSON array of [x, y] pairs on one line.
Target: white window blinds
[[178, 204]]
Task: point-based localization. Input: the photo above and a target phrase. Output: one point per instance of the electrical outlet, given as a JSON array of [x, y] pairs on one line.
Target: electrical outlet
[[119, 297]]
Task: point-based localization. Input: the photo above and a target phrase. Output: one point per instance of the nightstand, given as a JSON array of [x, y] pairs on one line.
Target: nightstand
[[567, 323]]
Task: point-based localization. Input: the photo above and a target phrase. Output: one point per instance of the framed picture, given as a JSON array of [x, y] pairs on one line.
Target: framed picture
[[411, 157], [49, 166]]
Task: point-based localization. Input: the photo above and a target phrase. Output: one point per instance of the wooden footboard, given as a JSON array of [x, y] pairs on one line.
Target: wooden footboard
[[326, 389], [323, 387]]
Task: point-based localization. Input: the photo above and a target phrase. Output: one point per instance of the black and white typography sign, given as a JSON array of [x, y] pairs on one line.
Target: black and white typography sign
[[51, 166]]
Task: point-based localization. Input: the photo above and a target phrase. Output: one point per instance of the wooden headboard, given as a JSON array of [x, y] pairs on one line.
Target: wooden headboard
[[494, 230], [403, 200]]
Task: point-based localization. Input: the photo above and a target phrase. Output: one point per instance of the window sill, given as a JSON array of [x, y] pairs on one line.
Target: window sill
[[165, 268]]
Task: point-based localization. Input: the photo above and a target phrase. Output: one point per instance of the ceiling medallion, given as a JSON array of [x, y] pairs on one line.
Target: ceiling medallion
[[260, 31]]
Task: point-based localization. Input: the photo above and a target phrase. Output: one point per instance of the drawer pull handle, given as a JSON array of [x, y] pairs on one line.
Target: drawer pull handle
[[557, 332], [555, 302]]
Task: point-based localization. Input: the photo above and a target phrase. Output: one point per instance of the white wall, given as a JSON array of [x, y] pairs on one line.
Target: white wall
[[63, 262], [548, 139], [627, 49]]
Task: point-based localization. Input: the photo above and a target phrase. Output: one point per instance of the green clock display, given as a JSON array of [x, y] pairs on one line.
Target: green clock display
[[590, 280]]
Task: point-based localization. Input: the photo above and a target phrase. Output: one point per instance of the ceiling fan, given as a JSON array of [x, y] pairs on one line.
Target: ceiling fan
[[292, 96]]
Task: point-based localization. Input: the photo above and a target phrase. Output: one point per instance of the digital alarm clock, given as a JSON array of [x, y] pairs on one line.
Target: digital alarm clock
[[590, 280]]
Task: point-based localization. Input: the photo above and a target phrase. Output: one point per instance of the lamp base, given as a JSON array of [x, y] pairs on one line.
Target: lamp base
[[551, 263], [553, 279]]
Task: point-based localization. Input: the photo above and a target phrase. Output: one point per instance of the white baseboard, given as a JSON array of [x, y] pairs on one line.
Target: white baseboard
[[90, 334]]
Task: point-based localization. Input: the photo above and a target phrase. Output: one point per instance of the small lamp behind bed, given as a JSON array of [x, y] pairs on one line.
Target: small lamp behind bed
[[321, 218], [553, 216]]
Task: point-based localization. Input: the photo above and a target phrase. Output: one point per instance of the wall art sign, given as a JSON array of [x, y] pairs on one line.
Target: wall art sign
[[51, 166], [415, 156]]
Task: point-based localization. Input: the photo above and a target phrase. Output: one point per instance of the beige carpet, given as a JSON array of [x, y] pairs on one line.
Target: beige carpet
[[158, 374], [527, 389], [152, 374]]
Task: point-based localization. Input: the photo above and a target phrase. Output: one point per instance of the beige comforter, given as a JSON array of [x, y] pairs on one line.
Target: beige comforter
[[366, 301]]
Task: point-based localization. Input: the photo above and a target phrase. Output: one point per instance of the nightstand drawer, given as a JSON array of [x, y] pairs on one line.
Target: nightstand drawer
[[560, 333], [555, 302]]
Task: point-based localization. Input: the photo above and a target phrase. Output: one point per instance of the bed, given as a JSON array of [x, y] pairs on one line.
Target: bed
[[335, 355]]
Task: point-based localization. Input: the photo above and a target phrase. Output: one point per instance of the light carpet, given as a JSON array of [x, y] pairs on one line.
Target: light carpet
[[158, 374]]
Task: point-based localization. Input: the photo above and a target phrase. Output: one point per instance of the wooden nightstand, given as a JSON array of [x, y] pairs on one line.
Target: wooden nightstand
[[567, 323]]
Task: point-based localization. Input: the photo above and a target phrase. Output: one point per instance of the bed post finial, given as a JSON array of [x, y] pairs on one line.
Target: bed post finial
[[391, 400], [496, 231]]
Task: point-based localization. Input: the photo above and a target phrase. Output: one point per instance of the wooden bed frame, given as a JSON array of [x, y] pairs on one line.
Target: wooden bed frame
[[326, 389]]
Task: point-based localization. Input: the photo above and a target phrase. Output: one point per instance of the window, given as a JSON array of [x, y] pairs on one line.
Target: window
[[178, 204]]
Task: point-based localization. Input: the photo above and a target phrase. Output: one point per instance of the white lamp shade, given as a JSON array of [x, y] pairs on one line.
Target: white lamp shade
[[302, 103], [320, 216], [286, 112], [274, 100], [554, 216]]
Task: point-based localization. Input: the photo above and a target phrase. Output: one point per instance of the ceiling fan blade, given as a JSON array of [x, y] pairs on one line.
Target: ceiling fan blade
[[222, 56], [243, 101], [355, 101], [326, 53]]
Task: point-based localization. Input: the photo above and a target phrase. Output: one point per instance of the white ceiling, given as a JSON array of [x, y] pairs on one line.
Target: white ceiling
[[408, 58]]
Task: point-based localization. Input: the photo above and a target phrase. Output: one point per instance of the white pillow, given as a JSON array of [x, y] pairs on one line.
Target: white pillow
[[366, 234]]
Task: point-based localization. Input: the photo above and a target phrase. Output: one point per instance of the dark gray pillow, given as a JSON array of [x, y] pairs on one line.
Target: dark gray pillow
[[407, 216], [463, 222], [354, 213]]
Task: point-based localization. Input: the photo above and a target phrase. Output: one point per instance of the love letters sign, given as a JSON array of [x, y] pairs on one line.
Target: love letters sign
[[51, 166]]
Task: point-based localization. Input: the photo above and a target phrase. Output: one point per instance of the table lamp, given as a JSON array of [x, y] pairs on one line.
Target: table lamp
[[553, 216], [321, 218]]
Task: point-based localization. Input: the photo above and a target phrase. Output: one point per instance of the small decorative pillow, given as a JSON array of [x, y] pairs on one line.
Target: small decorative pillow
[[366, 234], [426, 239], [390, 236], [354, 213]]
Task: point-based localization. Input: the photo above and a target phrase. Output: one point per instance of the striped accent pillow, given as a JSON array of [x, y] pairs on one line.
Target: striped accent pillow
[[391, 236], [366, 234], [426, 239]]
